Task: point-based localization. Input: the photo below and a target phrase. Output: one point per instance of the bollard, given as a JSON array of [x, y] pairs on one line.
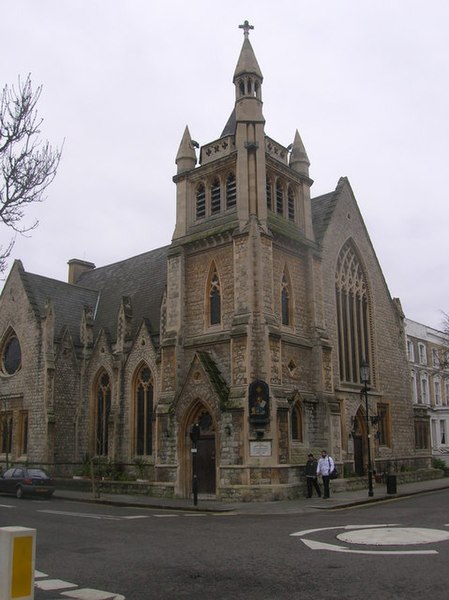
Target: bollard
[[17, 557]]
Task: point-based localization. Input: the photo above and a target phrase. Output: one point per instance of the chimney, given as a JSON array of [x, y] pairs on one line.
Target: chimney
[[77, 267]]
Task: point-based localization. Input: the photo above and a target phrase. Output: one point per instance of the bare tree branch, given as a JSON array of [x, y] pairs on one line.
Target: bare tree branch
[[27, 165]]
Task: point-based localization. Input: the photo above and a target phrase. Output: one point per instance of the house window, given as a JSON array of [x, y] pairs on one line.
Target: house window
[[231, 191], [424, 390], [410, 351], [352, 303], [414, 388], [446, 392], [103, 410], [422, 354], [296, 423], [143, 412], [215, 197], [214, 298], [443, 435], [279, 198], [437, 392], [291, 204], [435, 360], [200, 201], [383, 426], [421, 435]]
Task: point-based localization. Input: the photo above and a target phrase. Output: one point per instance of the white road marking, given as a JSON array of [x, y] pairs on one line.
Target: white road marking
[[379, 535], [394, 536], [164, 516], [137, 517], [307, 531], [38, 574], [89, 594], [85, 515], [7, 506], [194, 515], [54, 584], [333, 548]]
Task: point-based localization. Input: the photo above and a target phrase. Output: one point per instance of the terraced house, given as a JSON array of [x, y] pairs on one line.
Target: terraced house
[[253, 323]]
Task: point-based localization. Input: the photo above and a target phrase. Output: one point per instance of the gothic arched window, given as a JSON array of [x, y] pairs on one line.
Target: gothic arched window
[[214, 298], [291, 203], [200, 201], [231, 191], [279, 198], [143, 412], [286, 308], [353, 314], [215, 197], [269, 194], [296, 423], [103, 410]]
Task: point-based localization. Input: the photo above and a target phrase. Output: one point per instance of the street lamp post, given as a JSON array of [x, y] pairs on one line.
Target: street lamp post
[[364, 378]]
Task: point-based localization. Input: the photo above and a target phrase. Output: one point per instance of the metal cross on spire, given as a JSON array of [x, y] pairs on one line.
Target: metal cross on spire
[[246, 28]]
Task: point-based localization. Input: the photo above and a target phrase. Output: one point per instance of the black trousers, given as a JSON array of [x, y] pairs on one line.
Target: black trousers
[[312, 482], [326, 486]]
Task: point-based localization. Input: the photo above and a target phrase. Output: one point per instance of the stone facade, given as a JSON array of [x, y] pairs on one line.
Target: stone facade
[[237, 326]]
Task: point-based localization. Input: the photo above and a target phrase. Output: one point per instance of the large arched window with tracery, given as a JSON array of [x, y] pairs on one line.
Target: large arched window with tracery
[[143, 412], [103, 411], [353, 314]]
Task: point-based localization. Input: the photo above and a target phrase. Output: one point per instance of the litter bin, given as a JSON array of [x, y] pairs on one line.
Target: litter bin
[[391, 484]]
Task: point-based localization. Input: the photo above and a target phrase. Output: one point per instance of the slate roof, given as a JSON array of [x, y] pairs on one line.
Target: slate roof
[[323, 207], [142, 278], [68, 301]]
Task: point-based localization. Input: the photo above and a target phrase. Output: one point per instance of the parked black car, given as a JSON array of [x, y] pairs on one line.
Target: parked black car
[[22, 481]]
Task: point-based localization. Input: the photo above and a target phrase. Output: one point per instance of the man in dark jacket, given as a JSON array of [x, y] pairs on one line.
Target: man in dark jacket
[[311, 477]]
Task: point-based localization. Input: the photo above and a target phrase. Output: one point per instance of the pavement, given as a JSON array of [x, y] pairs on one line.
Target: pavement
[[338, 500]]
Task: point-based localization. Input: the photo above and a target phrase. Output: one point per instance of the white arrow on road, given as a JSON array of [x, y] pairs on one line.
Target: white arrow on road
[[313, 545]]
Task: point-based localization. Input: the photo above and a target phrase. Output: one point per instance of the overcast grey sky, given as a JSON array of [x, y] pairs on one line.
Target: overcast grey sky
[[365, 83]]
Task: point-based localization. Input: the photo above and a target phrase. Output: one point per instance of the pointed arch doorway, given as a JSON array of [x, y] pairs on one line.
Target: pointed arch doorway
[[206, 451]]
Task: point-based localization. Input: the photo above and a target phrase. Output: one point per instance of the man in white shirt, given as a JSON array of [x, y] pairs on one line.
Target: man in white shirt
[[325, 468]]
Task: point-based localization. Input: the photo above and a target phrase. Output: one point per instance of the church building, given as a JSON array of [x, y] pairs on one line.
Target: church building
[[252, 324]]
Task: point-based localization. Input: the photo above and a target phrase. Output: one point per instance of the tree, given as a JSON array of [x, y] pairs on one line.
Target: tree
[[443, 352], [27, 165]]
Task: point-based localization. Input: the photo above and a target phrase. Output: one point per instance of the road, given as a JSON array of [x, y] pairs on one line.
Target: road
[[397, 549]]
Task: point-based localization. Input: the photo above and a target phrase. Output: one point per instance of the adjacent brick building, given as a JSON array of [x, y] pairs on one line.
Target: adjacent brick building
[[252, 323]]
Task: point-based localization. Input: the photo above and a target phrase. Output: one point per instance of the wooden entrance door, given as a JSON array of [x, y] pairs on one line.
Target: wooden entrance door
[[206, 465], [358, 454]]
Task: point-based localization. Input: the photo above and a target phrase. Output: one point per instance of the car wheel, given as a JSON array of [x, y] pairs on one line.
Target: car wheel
[[19, 492]]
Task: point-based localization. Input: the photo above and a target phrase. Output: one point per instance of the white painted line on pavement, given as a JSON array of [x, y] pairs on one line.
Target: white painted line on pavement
[[38, 574], [394, 536], [89, 594], [307, 531], [7, 506], [85, 515], [194, 515], [54, 584], [313, 545], [164, 516], [137, 517]]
